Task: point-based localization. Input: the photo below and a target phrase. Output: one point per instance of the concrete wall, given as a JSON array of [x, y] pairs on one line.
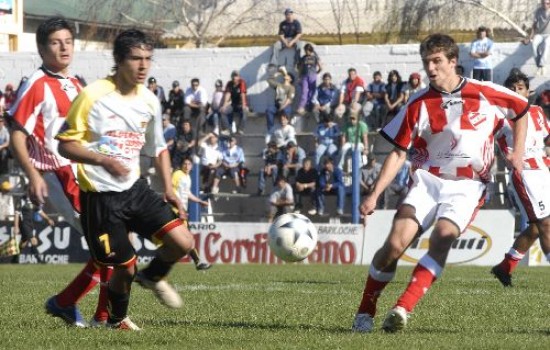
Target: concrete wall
[[217, 63]]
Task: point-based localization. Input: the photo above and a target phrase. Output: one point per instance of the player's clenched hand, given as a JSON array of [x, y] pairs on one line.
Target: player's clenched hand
[[516, 160], [173, 199], [115, 168], [368, 205], [38, 190]]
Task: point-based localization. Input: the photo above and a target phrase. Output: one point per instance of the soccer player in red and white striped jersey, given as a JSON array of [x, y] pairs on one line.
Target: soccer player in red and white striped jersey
[[448, 129], [530, 188], [36, 117]]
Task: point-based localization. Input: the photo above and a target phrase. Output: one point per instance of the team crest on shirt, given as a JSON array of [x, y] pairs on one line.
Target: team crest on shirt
[[477, 118]]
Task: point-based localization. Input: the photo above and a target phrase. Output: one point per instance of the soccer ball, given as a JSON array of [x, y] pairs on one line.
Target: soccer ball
[[292, 237]]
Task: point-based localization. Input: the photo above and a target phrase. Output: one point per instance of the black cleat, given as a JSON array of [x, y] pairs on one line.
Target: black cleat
[[503, 277], [203, 266]]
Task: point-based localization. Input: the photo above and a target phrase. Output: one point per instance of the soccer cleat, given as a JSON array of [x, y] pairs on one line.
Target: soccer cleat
[[125, 325], [396, 320], [70, 314], [363, 323], [503, 277], [203, 266], [312, 211], [97, 323], [162, 290]]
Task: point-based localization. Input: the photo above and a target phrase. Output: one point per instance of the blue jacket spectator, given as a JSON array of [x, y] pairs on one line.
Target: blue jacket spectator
[[330, 182]]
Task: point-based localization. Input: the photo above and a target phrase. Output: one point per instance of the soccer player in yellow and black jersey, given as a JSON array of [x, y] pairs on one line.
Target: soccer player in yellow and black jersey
[[108, 125]]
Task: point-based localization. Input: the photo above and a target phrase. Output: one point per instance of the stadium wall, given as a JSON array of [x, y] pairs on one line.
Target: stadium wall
[[217, 63]]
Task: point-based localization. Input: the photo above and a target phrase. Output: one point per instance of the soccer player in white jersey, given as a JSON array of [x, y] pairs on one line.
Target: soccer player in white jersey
[[38, 113], [448, 128], [109, 124], [530, 188]]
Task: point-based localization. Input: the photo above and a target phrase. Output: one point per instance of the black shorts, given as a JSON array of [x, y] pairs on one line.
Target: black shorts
[[108, 217]]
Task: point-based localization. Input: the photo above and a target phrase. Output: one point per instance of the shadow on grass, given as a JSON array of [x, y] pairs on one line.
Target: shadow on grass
[[507, 331], [308, 282], [247, 325]]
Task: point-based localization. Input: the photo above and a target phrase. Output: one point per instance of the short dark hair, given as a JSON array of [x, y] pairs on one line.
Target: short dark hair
[[195, 80], [49, 26], [435, 43], [515, 78], [327, 75], [352, 70], [127, 40]]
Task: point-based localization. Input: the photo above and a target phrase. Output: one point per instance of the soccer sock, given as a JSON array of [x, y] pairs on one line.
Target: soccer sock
[[80, 285], [118, 306], [36, 254], [157, 269], [376, 282], [101, 312], [194, 253], [511, 260], [424, 275]]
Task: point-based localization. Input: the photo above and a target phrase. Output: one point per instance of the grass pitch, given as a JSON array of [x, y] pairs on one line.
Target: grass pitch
[[285, 307]]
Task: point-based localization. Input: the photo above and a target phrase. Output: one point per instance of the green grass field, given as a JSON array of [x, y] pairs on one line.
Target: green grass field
[[285, 307]]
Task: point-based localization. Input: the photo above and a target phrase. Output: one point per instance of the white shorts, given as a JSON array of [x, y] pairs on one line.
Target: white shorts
[[434, 198], [531, 192]]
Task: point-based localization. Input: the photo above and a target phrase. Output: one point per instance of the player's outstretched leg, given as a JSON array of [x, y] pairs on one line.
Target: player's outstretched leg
[[64, 304], [503, 271], [118, 294], [199, 265], [176, 244]]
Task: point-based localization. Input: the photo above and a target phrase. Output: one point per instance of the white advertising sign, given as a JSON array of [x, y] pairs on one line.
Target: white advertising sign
[[483, 243]]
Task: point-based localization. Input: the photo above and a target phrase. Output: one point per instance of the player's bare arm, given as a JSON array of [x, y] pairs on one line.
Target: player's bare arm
[[73, 150], [394, 161], [162, 163], [520, 132], [38, 189]]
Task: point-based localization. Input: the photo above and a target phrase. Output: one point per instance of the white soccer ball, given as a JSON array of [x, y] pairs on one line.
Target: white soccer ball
[[292, 237]]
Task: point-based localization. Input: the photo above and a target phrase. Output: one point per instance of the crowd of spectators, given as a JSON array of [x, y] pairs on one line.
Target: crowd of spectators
[[211, 126]]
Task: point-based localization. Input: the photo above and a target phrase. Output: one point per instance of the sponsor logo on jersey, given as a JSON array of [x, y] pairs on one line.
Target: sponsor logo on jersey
[[477, 118]]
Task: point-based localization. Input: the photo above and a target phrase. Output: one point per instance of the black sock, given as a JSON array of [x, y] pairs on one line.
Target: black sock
[[194, 253], [36, 254], [118, 305], [157, 269]]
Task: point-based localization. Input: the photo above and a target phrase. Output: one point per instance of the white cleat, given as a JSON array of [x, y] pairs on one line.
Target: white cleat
[[396, 320], [126, 325], [162, 290], [363, 323]]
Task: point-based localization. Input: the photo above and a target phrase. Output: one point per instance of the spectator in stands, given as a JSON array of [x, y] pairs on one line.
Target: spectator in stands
[[283, 133], [232, 161], [539, 36], [480, 51], [158, 91], [7, 208], [394, 95], [196, 100], [414, 85], [308, 66], [350, 94], [169, 131], [273, 159], [181, 182], [290, 32], [284, 95], [305, 184], [330, 182], [213, 118], [4, 147], [374, 108], [293, 156], [327, 137], [175, 103], [184, 144], [211, 159], [281, 200], [235, 103], [7, 99], [354, 129], [326, 98], [369, 174], [399, 187]]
